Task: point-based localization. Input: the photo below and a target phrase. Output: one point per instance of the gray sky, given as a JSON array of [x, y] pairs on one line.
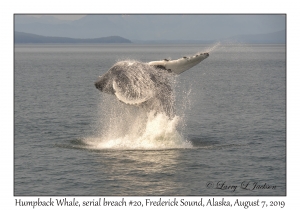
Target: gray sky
[[63, 17], [149, 27]]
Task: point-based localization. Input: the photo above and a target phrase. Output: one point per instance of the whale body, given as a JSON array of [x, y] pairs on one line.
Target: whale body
[[146, 84]]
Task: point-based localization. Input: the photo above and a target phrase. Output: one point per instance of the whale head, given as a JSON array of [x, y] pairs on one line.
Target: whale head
[[104, 84]]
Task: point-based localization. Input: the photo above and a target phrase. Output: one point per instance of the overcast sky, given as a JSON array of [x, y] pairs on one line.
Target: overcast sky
[[63, 17], [149, 27]]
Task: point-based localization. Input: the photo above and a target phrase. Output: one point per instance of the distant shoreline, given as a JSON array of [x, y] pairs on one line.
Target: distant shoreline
[[28, 38]]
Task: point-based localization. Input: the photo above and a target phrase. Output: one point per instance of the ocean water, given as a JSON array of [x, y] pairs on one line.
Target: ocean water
[[228, 136]]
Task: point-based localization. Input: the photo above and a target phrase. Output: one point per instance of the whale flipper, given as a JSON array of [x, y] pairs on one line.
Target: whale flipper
[[180, 65]]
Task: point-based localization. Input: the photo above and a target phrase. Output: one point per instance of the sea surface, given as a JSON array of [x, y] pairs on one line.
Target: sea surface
[[228, 136]]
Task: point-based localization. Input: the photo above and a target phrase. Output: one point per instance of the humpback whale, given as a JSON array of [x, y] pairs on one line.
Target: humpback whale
[[146, 84]]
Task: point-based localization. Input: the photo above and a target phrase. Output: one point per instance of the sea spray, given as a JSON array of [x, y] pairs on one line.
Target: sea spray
[[135, 129], [212, 48]]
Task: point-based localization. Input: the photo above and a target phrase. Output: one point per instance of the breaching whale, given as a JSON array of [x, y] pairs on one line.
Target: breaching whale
[[146, 84]]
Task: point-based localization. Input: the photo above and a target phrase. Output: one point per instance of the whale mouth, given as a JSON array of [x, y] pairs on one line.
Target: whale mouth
[[103, 84], [99, 85]]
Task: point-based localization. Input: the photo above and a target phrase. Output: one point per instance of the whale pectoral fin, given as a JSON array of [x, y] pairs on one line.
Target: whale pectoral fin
[[180, 65]]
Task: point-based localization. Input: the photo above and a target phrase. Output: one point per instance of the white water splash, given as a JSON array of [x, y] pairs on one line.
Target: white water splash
[[135, 129], [153, 131]]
